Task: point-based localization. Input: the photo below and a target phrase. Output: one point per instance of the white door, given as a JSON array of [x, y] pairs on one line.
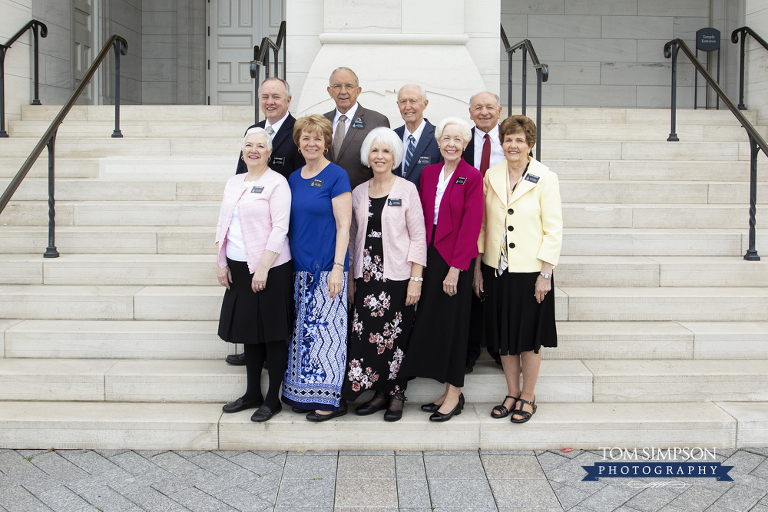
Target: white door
[[84, 24], [236, 26]]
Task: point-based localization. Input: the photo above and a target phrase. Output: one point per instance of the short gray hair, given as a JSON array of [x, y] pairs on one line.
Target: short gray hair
[[285, 84], [421, 90], [258, 131], [498, 100], [466, 131], [387, 138], [342, 68]]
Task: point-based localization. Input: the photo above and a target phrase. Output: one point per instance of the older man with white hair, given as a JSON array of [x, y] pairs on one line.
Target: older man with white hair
[[417, 134]]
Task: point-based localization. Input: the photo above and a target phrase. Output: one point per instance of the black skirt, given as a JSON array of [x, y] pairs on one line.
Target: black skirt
[[248, 317], [438, 345], [514, 322]]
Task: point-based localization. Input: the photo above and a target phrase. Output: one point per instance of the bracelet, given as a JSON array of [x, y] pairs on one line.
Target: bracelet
[[545, 276], [417, 279], [339, 264]]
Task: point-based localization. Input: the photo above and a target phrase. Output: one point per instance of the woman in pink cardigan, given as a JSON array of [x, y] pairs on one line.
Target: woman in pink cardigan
[[388, 250], [255, 266]]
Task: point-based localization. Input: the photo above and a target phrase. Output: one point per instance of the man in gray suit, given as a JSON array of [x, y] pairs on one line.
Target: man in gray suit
[[351, 123]]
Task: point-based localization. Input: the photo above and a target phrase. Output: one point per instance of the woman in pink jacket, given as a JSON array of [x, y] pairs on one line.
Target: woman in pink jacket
[[255, 266], [388, 250]]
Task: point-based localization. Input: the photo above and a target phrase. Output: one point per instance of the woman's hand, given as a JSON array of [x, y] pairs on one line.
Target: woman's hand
[[224, 276], [351, 291], [477, 280], [414, 293], [451, 281], [259, 281], [335, 280], [543, 286]]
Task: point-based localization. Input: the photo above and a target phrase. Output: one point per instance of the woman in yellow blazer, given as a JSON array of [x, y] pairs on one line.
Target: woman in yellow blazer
[[519, 242]]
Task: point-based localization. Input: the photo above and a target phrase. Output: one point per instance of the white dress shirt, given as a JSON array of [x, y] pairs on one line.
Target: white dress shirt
[[497, 152], [442, 184], [350, 119], [406, 142], [276, 126]]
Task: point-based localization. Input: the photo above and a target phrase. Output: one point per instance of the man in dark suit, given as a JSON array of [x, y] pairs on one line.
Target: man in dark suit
[[351, 123], [417, 134], [483, 152], [274, 98]]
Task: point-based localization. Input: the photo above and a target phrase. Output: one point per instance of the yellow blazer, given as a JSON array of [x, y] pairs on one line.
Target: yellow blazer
[[533, 218]]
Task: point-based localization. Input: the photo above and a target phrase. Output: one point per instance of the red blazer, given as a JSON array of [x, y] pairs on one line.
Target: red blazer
[[461, 213]]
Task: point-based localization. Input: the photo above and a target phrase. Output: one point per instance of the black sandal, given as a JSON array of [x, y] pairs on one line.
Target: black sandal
[[500, 411], [520, 412]]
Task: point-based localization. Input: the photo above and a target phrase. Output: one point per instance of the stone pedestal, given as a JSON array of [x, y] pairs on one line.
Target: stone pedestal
[[449, 47]]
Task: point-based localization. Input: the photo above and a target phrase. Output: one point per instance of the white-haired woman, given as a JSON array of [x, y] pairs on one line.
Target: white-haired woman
[[452, 200], [255, 265], [388, 251]]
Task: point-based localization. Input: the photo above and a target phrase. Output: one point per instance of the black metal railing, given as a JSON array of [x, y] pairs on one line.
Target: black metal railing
[[756, 142], [542, 75], [49, 138], [261, 60], [35, 26], [735, 39]]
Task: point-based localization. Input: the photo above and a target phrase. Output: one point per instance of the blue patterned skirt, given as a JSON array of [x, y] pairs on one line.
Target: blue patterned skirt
[[317, 353]]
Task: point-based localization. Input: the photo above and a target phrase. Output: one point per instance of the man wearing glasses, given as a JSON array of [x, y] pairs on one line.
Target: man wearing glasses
[[351, 123]]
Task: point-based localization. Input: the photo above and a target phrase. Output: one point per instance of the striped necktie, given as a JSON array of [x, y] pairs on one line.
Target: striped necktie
[[409, 153]]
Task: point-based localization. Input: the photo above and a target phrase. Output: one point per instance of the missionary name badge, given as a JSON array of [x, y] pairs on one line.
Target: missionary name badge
[[532, 178], [394, 202], [316, 184], [460, 180], [358, 124], [257, 190], [424, 160], [279, 160]]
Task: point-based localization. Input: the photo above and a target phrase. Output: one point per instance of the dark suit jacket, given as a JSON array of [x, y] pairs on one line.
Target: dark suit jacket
[[285, 157], [469, 152], [349, 154], [427, 153], [461, 212]]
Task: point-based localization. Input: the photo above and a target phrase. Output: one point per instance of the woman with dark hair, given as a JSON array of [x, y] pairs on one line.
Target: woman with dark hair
[[520, 243]]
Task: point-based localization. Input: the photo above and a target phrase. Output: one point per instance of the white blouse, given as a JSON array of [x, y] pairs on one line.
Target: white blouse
[[442, 184]]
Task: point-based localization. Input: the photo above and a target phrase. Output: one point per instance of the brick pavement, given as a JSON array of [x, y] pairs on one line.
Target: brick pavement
[[253, 481]]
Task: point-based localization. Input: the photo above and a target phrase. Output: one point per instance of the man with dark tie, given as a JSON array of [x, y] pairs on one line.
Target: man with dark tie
[[483, 152], [351, 123], [417, 134], [274, 98]]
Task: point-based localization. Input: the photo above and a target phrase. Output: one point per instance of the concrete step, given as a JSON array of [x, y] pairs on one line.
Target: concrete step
[[65, 168], [106, 113], [654, 242], [661, 216], [107, 146], [134, 129], [73, 425], [659, 192], [640, 116], [662, 304], [68, 302], [103, 239], [36, 189], [652, 170]]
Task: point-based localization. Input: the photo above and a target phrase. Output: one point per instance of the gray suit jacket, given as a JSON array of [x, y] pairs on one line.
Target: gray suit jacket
[[349, 155]]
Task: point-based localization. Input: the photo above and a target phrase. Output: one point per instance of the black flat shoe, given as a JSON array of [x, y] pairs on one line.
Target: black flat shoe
[[371, 406], [438, 416], [430, 407], [298, 411], [396, 399], [236, 359], [317, 418], [238, 405], [264, 413]]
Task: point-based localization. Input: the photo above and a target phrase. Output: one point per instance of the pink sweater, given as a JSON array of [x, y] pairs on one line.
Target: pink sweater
[[264, 209], [403, 237]]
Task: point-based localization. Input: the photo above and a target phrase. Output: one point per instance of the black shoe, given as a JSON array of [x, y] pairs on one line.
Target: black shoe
[[395, 415], [238, 405], [438, 416], [264, 413], [469, 368], [236, 359], [375, 404], [317, 418], [433, 407], [298, 411]]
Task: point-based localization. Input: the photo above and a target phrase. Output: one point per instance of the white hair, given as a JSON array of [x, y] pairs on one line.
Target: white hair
[[421, 90], [466, 131], [498, 100], [387, 138], [258, 131], [342, 68]]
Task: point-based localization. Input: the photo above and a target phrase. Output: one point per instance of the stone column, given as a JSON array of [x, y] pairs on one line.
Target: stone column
[[449, 47]]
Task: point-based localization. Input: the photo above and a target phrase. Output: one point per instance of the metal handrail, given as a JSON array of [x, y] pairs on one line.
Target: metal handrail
[[34, 25], [261, 58], [735, 39], [542, 75], [756, 141], [48, 139]]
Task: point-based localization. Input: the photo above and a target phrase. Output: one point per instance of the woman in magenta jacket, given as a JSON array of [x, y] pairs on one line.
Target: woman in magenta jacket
[[452, 200]]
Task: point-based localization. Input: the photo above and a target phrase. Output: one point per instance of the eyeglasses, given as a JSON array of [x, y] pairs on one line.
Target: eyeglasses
[[348, 87]]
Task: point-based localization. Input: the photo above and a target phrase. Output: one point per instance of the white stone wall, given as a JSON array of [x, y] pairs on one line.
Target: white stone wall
[[18, 59], [609, 53], [756, 70], [124, 18], [56, 83]]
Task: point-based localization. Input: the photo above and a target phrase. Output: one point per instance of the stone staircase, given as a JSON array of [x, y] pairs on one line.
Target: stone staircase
[[663, 326]]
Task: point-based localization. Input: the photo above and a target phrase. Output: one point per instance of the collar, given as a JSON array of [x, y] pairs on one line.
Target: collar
[[277, 125], [416, 134], [349, 113], [494, 133]]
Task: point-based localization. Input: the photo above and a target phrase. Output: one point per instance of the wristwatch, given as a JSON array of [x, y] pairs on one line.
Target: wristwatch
[[417, 279], [545, 276]]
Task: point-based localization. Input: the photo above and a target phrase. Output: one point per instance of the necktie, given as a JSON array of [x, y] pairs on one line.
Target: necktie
[[338, 138], [485, 159], [409, 153], [269, 130]]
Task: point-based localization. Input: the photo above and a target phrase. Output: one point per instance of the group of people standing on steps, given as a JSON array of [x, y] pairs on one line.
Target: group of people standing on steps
[[357, 257]]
